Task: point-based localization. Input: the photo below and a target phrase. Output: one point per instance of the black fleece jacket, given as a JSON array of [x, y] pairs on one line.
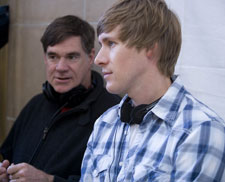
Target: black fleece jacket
[[55, 141]]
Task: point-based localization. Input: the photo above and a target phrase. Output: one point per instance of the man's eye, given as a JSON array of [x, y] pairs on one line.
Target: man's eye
[[73, 57], [52, 57], [111, 43]]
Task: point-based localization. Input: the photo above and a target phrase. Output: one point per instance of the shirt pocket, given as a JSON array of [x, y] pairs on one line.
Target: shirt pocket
[[101, 165]]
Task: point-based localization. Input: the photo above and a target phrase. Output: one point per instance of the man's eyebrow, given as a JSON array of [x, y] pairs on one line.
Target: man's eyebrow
[[104, 40], [73, 54], [51, 53], [69, 53]]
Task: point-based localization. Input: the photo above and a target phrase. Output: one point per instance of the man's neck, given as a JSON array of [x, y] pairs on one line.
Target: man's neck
[[151, 91]]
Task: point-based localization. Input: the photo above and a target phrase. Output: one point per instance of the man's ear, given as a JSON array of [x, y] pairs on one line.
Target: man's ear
[[153, 52]]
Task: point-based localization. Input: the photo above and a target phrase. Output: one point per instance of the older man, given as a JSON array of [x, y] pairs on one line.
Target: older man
[[48, 139]]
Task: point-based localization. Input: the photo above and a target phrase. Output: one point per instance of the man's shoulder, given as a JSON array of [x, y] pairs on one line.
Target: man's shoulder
[[110, 97], [193, 113], [105, 100], [183, 110], [37, 101], [37, 98]]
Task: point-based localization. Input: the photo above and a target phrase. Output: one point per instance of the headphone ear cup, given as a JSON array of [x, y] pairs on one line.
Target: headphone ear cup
[[125, 114], [135, 115], [48, 91], [132, 115], [138, 114]]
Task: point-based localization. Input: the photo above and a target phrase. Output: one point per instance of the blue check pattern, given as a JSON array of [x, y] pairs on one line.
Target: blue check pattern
[[179, 140]]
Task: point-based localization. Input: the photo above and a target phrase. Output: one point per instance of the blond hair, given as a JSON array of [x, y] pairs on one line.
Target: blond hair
[[144, 23]]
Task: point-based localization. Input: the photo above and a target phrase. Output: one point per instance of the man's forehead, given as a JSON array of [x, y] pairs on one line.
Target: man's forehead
[[113, 34], [71, 43]]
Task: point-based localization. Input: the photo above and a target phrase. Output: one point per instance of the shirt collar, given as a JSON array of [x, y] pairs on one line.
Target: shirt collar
[[168, 106]]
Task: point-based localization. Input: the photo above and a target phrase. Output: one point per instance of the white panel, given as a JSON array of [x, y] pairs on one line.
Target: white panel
[[201, 63]]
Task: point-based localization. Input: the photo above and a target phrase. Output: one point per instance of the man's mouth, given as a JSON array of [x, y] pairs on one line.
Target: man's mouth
[[62, 79], [106, 74]]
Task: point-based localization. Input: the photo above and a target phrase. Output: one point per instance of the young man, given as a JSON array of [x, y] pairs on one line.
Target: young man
[[48, 139], [159, 132]]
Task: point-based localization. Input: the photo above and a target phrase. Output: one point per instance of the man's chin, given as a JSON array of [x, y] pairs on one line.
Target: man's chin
[[115, 89], [112, 90]]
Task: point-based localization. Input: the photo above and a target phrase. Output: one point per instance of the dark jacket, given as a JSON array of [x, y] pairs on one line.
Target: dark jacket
[[55, 141]]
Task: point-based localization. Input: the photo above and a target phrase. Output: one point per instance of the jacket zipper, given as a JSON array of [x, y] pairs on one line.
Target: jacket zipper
[[45, 132]]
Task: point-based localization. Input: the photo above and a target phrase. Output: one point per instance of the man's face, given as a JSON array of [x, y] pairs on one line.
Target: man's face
[[123, 68], [68, 65]]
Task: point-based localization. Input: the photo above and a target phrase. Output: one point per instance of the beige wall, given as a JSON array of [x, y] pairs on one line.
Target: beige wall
[[3, 90], [28, 19], [3, 83]]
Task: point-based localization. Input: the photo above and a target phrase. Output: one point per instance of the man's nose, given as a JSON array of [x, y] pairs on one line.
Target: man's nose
[[101, 58], [62, 65]]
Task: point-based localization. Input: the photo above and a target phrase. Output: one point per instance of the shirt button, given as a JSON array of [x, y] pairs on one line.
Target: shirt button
[[121, 163], [95, 172]]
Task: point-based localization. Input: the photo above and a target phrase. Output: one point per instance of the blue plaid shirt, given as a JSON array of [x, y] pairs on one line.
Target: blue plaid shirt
[[179, 140]]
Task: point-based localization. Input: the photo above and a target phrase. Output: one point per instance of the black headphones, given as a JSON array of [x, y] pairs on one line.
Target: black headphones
[[134, 115], [72, 97]]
